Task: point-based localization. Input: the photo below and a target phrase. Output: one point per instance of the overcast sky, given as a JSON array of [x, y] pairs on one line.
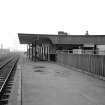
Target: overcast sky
[[49, 16]]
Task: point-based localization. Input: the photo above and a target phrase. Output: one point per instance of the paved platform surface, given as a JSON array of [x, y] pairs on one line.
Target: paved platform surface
[[51, 84]]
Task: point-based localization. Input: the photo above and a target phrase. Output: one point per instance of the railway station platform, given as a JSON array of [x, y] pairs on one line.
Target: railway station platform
[[45, 83]]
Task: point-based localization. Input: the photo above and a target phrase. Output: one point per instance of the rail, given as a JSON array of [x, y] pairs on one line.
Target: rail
[[6, 70]]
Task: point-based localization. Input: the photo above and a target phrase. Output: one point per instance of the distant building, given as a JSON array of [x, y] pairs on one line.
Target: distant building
[[4, 51]]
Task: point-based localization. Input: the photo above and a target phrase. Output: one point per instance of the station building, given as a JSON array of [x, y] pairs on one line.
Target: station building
[[44, 47]]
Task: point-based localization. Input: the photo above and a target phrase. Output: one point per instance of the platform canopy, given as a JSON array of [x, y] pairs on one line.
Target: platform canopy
[[62, 39], [30, 38]]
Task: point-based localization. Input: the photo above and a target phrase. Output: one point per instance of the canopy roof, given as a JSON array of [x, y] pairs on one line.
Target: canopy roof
[[62, 39]]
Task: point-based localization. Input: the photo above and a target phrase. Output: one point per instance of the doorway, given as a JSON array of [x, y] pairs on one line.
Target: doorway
[[53, 57]]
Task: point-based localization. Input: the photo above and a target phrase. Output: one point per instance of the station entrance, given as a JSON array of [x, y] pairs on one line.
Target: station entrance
[[53, 57]]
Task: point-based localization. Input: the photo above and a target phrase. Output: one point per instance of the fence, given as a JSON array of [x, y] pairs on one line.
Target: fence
[[81, 51], [86, 62]]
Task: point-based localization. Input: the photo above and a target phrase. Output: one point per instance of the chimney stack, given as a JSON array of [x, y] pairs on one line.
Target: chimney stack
[[62, 33]]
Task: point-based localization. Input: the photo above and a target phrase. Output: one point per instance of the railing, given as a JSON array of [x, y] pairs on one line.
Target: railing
[[93, 63], [79, 51]]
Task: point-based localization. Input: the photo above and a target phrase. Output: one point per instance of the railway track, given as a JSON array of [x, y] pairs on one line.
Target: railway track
[[7, 72]]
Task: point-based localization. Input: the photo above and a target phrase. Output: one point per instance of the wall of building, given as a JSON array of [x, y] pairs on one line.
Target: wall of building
[[86, 62]]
